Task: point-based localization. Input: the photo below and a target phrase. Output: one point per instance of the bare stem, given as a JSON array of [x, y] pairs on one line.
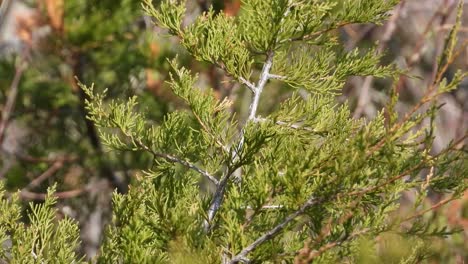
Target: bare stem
[[265, 75]]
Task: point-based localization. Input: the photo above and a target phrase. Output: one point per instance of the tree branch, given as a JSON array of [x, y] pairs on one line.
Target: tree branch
[[264, 76], [170, 158], [242, 256], [432, 208], [257, 90], [188, 165]]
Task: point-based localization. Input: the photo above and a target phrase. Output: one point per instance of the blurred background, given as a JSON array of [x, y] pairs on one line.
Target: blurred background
[[46, 45]]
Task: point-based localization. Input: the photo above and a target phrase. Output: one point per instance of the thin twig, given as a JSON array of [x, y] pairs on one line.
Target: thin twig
[[432, 208], [296, 126], [276, 77], [189, 165], [170, 158], [51, 160], [439, 39], [210, 133], [265, 207], [242, 80], [447, 27], [355, 37], [326, 231], [419, 48], [174, 159]]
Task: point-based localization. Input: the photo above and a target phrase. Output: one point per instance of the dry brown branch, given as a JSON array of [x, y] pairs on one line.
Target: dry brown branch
[[28, 195], [48, 173], [63, 159]]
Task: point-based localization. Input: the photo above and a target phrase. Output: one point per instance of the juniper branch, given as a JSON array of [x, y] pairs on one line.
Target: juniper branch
[[432, 208], [257, 90], [171, 158], [174, 159], [242, 256], [265, 75]]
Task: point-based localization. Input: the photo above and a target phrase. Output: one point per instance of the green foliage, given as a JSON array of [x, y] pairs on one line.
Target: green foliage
[[46, 238], [301, 182], [102, 41], [298, 169]]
